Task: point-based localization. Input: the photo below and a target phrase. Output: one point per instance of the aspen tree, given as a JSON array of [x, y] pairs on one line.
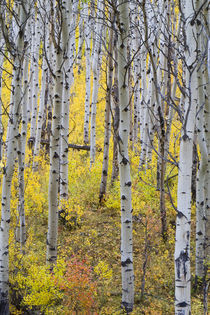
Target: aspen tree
[[36, 40], [115, 118], [135, 44], [202, 182], [206, 77], [67, 73], [93, 9], [75, 4], [124, 164], [52, 233], [42, 103], [81, 40], [30, 90], [17, 50], [200, 196], [1, 67], [207, 199], [96, 72], [149, 99], [22, 146], [87, 35], [44, 94], [183, 221], [107, 125]]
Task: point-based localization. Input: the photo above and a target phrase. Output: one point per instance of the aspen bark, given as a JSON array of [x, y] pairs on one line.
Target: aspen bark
[[107, 131], [87, 34], [1, 66], [202, 181], [183, 221], [67, 73], [11, 154], [35, 80], [96, 72], [52, 233], [115, 119], [124, 164], [21, 156]]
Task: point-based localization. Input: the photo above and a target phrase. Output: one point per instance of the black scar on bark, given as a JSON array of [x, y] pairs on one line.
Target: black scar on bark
[[182, 259], [55, 156], [105, 172], [182, 304], [127, 306], [53, 248], [128, 184], [52, 258], [126, 262], [180, 215]]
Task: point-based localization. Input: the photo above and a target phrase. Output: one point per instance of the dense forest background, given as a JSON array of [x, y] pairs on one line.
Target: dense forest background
[[104, 157]]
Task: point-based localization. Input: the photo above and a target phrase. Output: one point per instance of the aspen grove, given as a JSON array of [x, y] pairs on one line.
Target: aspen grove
[[104, 157]]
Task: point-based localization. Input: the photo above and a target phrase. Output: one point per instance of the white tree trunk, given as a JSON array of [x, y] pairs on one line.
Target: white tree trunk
[[44, 95], [202, 181], [124, 164], [81, 41], [1, 66], [67, 73], [96, 72], [183, 221], [55, 163], [21, 156], [52, 233], [136, 67], [107, 127], [87, 33], [35, 80], [11, 155]]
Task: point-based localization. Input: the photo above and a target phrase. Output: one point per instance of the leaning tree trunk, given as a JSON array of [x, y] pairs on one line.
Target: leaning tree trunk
[[11, 155], [124, 164], [183, 221]]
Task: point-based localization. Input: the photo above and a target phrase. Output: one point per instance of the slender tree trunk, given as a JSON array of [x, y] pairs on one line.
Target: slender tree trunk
[[107, 127], [96, 73], [116, 120], [183, 221], [87, 33], [11, 155], [124, 164], [67, 73], [21, 156], [52, 233], [35, 80], [1, 67]]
